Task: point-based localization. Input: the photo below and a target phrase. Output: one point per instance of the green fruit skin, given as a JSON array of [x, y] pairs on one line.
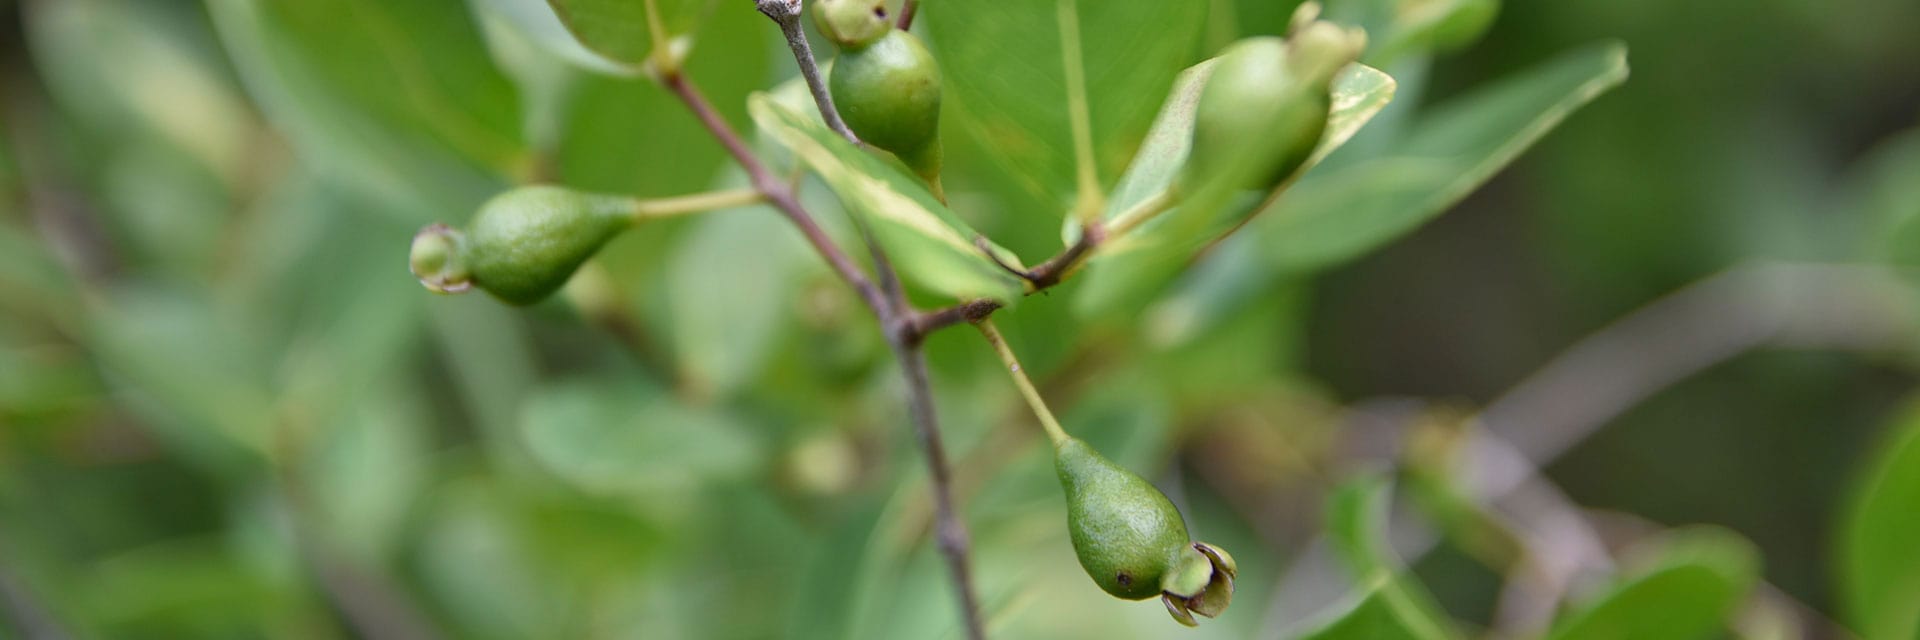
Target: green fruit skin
[[1126, 533], [852, 24], [524, 244], [889, 94], [1257, 122]]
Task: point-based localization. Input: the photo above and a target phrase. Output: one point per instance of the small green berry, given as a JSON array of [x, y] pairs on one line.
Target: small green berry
[[1126, 533], [522, 245], [1264, 108], [852, 24], [889, 94], [1133, 542]]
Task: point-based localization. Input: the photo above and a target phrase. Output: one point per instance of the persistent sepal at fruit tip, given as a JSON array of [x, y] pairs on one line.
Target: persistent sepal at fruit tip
[[1133, 542], [522, 245], [852, 24]]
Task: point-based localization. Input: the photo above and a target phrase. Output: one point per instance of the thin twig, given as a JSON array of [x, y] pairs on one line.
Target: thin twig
[[888, 303], [786, 13], [950, 532], [778, 192], [907, 11]]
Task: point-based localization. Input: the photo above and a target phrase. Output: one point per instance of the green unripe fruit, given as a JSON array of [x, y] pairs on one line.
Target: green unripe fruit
[[1127, 534], [889, 94], [523, 244], [1265, 106], [852, 24]]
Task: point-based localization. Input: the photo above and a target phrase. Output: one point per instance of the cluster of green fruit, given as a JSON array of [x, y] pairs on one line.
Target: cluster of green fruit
[[1259, 119]]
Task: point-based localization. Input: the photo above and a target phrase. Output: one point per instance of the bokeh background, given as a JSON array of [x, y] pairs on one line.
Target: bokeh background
[[226, 410]]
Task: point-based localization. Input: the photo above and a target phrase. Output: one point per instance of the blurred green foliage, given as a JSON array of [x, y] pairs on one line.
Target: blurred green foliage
[[227, 411]]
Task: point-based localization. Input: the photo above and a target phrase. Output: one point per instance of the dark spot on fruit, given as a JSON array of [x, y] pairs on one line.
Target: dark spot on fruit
[[1124, 579], [880, 12]]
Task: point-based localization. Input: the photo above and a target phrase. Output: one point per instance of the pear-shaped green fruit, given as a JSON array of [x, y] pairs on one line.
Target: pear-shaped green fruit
[[852, 24], [1127, 534], [1265, 107], [522, 245], [889, 94]]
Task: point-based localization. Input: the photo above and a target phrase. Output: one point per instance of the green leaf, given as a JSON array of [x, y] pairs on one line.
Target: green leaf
[[1373, 616], [538, 22], [615, 436], [1890, 199], [930, 245], [1138, 264], [1879, 571], [1450, 151], [1685, 587], [729, 287], [1005, 69], [1357, 524], [617, 29], [402, 98], [1341, 213]]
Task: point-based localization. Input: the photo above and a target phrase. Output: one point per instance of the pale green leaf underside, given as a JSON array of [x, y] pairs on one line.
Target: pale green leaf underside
[[931, 246], [1880, 564], [1688, 587], [608, 438], [1336, 215]]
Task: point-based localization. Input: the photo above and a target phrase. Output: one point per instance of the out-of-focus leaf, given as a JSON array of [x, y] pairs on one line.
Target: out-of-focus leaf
[[630, 135], [1879, 571], [729, 285], [367, 470], [1891, 199], [617, 29], [487, 541], [615, 437], [1004, 64], [187, 588], [198, 367], [129, 70], [1137, 264], [1357, 524], [542, 27], [399, 98], [1340, 213], [1685, 587], [1448, 152], [1426, 25], [1376, 615], [930, 245]]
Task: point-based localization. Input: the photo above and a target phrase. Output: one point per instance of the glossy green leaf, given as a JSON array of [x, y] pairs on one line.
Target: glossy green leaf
[[928, 243], [1685, 586], [1449, 151], [1005, 68], [1357, 525], [612, 436], [1373, 616], [1340, 213], [1130, 267], [618, 30], [1879, 570]]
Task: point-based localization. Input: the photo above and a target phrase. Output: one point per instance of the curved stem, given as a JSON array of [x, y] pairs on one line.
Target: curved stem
[[1020, 379], [652, 209], [1089, 201]]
